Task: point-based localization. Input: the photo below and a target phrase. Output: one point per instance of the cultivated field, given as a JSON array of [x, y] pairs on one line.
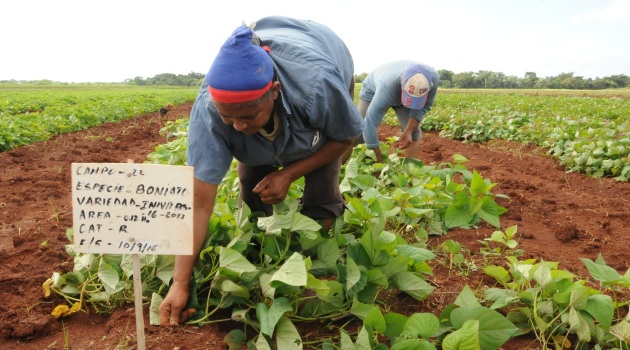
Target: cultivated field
[[489, 241]]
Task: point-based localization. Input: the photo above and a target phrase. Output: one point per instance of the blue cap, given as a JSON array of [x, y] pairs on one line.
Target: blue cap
[[415, 87], [241, 71]]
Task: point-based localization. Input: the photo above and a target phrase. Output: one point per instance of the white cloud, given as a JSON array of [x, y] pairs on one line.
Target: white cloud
[[618, 11]]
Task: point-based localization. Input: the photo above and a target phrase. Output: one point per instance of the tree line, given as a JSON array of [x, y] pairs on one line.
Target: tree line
[[190, 79], [168, 79], [482, 79], [468, 80]]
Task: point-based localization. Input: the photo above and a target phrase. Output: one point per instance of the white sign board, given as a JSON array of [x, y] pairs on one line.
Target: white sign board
[[128, 208]]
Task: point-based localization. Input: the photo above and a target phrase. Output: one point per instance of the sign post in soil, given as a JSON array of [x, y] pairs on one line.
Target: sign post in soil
[[128, 208]]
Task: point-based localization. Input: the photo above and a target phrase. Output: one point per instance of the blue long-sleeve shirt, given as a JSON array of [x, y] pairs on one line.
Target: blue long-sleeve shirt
[[382, 88]]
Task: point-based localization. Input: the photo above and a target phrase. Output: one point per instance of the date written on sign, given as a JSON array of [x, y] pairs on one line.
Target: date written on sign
[[127, 208]]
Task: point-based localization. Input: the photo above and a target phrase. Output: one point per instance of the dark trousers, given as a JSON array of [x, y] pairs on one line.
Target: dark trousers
[[321, 198]]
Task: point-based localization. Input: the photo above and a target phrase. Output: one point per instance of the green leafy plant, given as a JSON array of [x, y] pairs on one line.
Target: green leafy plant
[[275, 272], [432, 199], [500, 244], [103, 281], [457, 257], [558, 309]]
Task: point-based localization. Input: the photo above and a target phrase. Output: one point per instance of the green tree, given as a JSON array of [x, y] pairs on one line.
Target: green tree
[[137, 81], [530, 80], [485, 76], [464, 80], [601, 83], [511, 82], [620, 80], [359, 78], [446, 77]]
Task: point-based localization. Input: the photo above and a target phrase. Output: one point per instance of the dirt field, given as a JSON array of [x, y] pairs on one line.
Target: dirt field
[[560, 217]]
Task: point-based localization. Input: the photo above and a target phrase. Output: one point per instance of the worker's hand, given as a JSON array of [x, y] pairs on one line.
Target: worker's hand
[[379, 154], [405, 140], [171, 313], [274, 187]]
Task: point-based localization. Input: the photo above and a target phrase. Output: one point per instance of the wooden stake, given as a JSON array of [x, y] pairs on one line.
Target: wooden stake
[[137, 291]]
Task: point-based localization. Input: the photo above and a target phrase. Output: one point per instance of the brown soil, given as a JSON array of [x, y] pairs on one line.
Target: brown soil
[[560, 217]]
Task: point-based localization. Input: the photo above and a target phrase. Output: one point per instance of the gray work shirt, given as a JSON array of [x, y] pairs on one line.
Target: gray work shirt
[[315, 70], [383, 89]]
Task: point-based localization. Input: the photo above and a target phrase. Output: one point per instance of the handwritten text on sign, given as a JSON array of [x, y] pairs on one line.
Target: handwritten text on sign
[[127, 208]]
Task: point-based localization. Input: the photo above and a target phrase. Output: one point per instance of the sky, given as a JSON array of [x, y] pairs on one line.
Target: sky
[[110, 41]]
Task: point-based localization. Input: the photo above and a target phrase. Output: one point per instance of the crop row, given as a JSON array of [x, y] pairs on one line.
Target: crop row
[[31, 114], [587, 134]]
